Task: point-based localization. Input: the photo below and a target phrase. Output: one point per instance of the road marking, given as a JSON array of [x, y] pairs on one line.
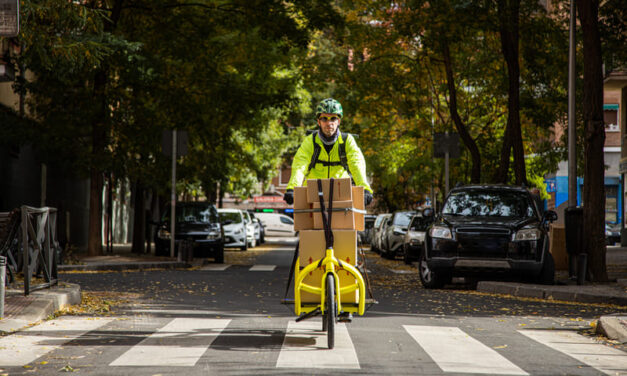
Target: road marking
[[262, 268], [305, 346], [215, 267], [605, 359], [455, 351], [178, 344], [24, 347]]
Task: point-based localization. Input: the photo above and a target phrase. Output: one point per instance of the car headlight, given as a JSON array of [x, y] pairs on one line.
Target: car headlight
[[163, 234], [440, 232], [213, 235], [528, 234], [238, 231]]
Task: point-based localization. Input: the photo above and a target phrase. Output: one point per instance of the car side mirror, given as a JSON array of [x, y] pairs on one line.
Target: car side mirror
[[550, 216], [428, 212]]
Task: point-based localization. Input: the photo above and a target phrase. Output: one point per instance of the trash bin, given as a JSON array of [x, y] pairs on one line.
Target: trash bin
[[186, 248], [573, 221]]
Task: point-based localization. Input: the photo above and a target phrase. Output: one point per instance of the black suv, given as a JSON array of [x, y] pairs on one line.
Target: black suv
[[488, 230], [195, 221]]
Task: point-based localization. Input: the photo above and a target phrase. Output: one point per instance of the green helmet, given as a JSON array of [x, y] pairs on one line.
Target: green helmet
[[329, 106]]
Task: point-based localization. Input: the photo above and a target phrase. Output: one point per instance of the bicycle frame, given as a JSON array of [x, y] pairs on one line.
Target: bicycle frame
[[331, 265]]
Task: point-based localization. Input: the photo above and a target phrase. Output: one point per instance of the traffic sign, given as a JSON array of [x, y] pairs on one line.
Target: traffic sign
[[446, 142]]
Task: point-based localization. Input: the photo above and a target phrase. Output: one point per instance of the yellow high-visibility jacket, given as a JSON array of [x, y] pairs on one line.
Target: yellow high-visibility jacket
[[303, 158]]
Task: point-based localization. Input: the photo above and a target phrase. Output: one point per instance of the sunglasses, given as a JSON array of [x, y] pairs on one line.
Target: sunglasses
[[329, 118]]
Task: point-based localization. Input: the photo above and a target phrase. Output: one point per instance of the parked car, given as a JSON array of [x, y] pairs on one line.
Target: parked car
[[377, 228], [366, 235], [260, 230], [393, 237], [197, 221], [277, 224], [252, 231], [612, 233], [237, 233], [414, 241], [487, 230]]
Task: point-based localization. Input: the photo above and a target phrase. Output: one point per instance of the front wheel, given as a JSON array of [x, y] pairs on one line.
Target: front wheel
[[329, 316], [431, 279]]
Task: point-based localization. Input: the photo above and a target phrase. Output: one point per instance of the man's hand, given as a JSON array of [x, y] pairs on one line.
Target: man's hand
[[367, 198], [288, 196]]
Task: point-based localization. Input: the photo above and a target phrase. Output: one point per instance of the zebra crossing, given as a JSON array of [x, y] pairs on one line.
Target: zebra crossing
[[186, 341]]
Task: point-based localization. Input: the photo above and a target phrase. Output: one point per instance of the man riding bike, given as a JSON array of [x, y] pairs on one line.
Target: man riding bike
[[328, 153]]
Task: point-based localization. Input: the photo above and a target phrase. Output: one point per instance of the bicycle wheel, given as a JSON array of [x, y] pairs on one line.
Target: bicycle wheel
[[330, 311]]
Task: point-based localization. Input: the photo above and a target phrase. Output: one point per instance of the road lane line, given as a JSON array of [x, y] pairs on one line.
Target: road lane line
[[605, 359], [455, 351], [25, 346], [215, 267], [305, 346], [262, 268], [178, 344]]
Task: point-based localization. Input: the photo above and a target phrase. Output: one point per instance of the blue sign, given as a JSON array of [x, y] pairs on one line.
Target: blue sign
[[551, 185]]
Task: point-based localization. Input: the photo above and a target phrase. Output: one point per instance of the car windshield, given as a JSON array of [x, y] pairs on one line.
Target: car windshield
[[195, 214], [402, 219], [234, 217], [484, 203]]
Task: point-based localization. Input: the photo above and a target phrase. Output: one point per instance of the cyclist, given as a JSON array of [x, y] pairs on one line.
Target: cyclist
[[328, 153]]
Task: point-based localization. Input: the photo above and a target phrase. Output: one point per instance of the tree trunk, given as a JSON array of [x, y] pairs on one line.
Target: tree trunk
[[594, 187], [508, 11], [475, 174], [139, 219], [99, 143]]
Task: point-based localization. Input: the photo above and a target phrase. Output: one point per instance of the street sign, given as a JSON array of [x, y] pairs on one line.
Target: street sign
[[181, 142], [9, 18], [443, 142]]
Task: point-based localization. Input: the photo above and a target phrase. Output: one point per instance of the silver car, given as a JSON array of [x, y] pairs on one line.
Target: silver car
[[414, 241], [393, 236], [379, 225]]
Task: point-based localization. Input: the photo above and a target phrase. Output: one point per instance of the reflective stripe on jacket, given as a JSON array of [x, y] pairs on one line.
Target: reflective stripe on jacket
[[302, 159]]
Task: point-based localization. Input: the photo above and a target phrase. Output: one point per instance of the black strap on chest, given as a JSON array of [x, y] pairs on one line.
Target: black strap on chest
[[342, 152]]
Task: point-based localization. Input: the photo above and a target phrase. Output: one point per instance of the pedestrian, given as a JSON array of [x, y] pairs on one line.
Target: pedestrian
[[328, 153]]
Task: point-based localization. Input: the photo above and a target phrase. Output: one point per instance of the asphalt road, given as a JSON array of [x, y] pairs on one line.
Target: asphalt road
[[229, 321]]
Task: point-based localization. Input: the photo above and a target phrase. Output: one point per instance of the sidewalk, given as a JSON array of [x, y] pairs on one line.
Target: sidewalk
[[21, 310]]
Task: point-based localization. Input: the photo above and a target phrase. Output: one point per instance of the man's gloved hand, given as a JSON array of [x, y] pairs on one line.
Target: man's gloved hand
[[367, 198], [288, 196]]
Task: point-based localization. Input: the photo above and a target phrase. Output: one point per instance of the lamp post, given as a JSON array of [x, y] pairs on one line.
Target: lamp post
[[572, 128]]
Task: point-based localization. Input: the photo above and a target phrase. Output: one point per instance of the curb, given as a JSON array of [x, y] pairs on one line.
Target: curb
[[46, 302], [613, 327], [125, 266], [551, 293]]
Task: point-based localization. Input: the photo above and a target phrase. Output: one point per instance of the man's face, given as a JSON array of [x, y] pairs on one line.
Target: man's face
[[329, 123]]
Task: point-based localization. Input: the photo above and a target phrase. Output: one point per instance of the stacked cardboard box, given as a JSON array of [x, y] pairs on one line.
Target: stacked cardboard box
[[344, 224]]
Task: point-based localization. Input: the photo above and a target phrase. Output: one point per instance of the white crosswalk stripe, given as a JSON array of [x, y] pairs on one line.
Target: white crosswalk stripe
[[305, 346], [180, 343], [455, 351], [606, 359], [28, 345], [262, 268], [215, 267]]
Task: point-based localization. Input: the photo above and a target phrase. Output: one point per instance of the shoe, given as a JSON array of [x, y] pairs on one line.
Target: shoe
[[345, 317]]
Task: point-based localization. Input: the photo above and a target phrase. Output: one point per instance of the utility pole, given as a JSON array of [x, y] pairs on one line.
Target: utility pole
[[572, 128], [173, 196]]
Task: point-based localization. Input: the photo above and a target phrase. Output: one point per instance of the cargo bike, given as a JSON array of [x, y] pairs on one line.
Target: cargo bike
[[330, 287]]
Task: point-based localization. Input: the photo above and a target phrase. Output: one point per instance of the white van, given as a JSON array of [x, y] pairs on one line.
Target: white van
[[277, 224]]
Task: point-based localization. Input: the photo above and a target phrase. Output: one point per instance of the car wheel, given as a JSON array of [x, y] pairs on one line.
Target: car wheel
[[262, 238], [431, 279], [547, 274], [245, 246], [219, 259], [253, 243], [406, 257]]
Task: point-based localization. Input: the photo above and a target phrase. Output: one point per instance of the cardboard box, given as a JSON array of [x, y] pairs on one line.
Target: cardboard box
[[341, 190], [313, 247], [302, 221], [344, 220], [557, 246], [358, 203]]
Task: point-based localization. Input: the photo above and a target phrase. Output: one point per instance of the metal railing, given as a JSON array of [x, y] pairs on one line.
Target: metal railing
[[30, 246]]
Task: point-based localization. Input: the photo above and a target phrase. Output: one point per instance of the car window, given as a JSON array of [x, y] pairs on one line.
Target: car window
[[402, 219], [378, 221], [287, 220], [489, 203], [234, 217], [419, 224], [194, 214]]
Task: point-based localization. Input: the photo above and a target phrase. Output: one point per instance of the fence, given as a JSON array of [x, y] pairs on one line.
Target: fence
[[28, 241]]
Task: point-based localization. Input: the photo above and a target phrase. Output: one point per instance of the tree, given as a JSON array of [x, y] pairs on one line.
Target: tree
[[594, 186]]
